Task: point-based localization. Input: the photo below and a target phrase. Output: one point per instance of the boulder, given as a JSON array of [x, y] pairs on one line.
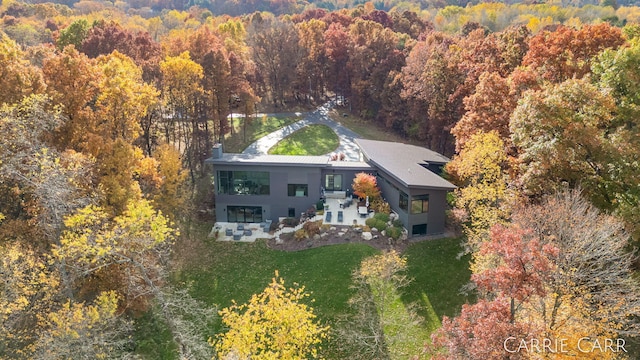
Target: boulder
[[367, 236]]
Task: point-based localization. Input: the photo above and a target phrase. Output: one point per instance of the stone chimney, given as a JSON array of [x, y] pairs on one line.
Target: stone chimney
[[216, 151]]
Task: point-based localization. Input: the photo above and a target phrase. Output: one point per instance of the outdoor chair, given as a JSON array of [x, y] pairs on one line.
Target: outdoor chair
[[340, 216], [328, 216]]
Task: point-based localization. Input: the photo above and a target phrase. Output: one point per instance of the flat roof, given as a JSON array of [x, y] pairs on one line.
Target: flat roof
[[265, 159], [406, 163], [350, 165]]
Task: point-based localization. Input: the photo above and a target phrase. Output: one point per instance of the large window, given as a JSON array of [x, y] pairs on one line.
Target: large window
[[243, 182], [244, 214], [404, 201], [420, 204], [298, 190], [333, 182]]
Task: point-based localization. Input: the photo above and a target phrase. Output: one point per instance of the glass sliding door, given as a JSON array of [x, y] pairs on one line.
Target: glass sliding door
[[244, 214]]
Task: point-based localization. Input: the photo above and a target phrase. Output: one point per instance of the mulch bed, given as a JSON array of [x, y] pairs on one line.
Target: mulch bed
[[289, 243]]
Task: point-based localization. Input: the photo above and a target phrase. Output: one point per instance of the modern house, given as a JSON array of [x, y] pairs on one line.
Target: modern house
[[256, 188]]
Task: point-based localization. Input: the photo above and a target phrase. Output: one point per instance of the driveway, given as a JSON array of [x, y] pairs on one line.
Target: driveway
[[319, 116]]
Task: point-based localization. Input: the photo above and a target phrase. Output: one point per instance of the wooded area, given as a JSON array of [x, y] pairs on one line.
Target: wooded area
[[107, 116]]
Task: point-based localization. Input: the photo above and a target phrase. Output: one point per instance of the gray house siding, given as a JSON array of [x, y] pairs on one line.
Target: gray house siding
[[434, 218], [278, 202], [347, 176]]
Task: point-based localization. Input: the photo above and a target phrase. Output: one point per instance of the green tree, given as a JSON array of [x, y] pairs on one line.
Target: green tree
[[74, 34], [563, 139], [273, 325]]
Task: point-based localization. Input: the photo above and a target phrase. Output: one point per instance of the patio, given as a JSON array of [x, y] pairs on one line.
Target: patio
[[350, 215]]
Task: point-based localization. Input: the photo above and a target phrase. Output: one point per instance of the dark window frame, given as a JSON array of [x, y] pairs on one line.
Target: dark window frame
[[420, 204], [292, 190]]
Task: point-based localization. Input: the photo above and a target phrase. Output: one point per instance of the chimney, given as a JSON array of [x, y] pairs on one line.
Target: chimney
[[216, 151]]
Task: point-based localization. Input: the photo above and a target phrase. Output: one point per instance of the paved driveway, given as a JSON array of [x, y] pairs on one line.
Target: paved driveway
[[319, 116]]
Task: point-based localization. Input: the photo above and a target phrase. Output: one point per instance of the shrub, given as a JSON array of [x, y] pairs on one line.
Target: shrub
[[381, 216], [398, 223], [311, 228], [380, 206], [320, 205], [290, 221], [300, 234], [376, 223], [394, 232]]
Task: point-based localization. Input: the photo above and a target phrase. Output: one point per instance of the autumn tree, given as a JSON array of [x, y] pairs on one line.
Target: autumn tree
[[551, 277], [273, 324], [365, 185], [379, 327], [616, 73], [73, 83], [18, 78], [275, 51], [182, 93], [571, 119], [488, 109], [567, 53], [482, 198], [429, 79]]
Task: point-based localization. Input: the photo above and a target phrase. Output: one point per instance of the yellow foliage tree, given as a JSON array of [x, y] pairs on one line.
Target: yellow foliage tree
[[483, 195], [274, 325], [79, 330]]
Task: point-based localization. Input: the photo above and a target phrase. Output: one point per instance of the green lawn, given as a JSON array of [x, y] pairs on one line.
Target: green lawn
[[310, 140], [234, 271], [438, 276], [255, 129]]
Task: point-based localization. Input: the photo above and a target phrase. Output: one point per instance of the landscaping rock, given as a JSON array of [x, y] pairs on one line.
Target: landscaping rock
[[367, 236], [316, 237], [333, 228], [374, 230], [383, 232], [341, 234]]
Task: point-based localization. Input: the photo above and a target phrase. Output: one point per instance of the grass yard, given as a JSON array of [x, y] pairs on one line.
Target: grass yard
[[366, 129], [256, 128], [310, 140], [223, 271], [438, 277]]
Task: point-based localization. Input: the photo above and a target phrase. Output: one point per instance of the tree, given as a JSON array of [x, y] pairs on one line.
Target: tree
[[365, 185], [275, 51], [551, 277], [124, 98], [571, 119], [80, 330], [74, 34], [567, 53], [273, 325], [73, 83], [430, 78], [482, 195], [18, 78], [182, 92], [381, 327], [488, 109]]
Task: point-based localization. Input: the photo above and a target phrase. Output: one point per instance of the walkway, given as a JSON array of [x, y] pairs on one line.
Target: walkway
[[319, 116]]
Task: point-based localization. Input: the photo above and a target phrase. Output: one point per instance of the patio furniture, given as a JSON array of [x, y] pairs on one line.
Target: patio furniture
[[228, 232], [267, 226], [237, 235], [328, 216], [240, 227], [363, 211], [340, 216], [248, 232]]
